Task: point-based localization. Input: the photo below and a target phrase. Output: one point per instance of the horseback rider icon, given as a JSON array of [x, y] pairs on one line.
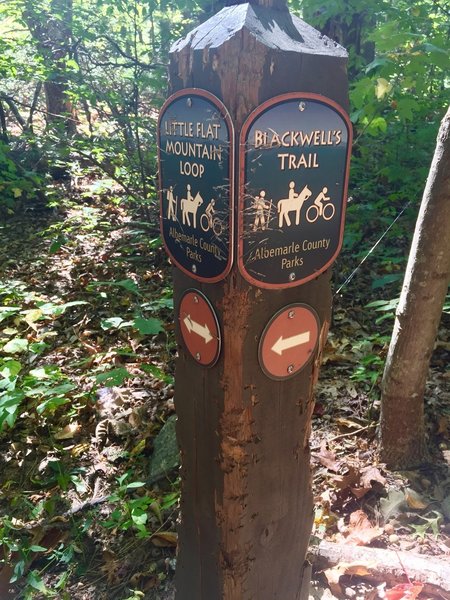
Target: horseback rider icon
[[190, 204]]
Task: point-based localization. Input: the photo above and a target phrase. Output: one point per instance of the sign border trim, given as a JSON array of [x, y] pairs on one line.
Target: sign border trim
[[266, 328], [216, 320], [226, 115], [241, 185]]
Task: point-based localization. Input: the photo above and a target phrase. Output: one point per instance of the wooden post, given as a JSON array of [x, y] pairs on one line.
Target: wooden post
[[247, 509]]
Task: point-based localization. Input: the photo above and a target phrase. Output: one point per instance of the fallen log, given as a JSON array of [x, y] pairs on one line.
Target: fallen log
[[386, 566]]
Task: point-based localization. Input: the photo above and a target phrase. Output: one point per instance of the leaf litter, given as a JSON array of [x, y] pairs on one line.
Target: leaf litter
[[79, 308]]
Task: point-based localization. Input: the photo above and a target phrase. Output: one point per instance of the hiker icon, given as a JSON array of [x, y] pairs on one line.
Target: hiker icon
[[209, 221], [190, 204], [172, 205], [260, 206], [322, 207], [293, 203]]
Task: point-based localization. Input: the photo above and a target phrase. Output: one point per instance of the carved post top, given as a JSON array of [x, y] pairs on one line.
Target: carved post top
[[277, 4]]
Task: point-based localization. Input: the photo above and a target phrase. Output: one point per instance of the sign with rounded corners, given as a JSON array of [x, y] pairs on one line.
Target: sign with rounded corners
[[196, 165], [289, 341], [294, 165], [200, 328]]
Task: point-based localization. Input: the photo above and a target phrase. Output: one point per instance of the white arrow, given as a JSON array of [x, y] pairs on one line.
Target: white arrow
[[203, 332], [285, 343]]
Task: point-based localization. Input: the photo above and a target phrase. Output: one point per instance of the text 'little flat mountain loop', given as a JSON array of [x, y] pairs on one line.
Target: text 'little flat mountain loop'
[[195, 146], [294, 155]]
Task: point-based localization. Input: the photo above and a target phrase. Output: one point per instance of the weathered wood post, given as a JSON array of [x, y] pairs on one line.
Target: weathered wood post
[[254, 149]]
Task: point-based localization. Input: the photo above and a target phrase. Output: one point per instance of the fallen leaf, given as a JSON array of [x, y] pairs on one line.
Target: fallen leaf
[[334, 574], [327, 458], [350, 479], [393, 505], [165, 539], [415, 500], [370, 474], [68, 431], [347, 423], [360, 531], [404, 591], [443, 426]]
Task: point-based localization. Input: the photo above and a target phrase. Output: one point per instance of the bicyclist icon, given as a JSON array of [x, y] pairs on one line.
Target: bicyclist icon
[[321, 207], [209, 221]]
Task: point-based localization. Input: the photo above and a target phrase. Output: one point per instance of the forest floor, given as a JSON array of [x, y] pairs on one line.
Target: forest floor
[[87, 356]]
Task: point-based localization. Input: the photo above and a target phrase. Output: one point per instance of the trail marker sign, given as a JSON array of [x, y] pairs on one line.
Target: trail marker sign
[[289, 341], [294, 159], [199, 328], [195, 146]]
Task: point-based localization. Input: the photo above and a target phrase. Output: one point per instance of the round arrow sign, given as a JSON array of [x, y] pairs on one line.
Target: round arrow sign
[[289, 341], [199, 328]]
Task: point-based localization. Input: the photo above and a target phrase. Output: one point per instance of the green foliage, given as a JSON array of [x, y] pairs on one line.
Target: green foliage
[[16, 184], [41, 389], [132, 513]]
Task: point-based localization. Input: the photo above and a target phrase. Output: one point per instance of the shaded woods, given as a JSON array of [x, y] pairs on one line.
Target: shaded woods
[[89, 483]]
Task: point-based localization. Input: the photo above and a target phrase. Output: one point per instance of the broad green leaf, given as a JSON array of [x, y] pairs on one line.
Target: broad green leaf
[[114, 323], [386, 279], [36, 582], [51, 404], [46, 372], [8, 311], [56, 310], [15, 346], [383, 305], [56, 245], [150, 326], [113, 378], [46, 390], [37, 347], [127, 284], [376, 125], [378, 62], [157, 373], [406, 108], [135, 484], [10, 368], [9, 407]]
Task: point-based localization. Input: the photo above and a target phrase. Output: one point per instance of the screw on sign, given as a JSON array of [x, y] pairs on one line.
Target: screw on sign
[[289, 341], [199, 328]]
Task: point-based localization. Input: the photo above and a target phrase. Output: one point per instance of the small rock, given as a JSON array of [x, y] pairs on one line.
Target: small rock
[[393, 538], [166, 455], [389, 529], [350, 592]]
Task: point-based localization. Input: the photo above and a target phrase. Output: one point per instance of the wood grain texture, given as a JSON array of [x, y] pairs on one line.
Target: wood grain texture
[[247, 504]]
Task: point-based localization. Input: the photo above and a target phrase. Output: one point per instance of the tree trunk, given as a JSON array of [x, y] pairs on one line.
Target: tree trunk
[[53, 34], [417, 318]]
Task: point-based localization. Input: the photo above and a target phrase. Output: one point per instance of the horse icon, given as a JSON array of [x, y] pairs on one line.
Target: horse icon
[[293, 203], [190, 205]]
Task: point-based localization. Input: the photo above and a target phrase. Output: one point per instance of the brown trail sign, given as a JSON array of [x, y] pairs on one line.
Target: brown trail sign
[[243, 427]]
